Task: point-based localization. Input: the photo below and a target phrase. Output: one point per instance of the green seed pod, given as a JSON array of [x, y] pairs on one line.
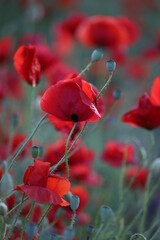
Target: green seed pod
[[96, 55], [117, 94], [111, 66], [3, 209], [74, 203], [34, 152], [104, 212]]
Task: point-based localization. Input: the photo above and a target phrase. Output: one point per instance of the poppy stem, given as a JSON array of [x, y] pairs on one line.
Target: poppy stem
[[45, 213], [26, 219], [146, 201], [12, 210], [16, 217], [63, 158], [66, 148], [105, 86], [25, 143], [85, 69], [73, 219]]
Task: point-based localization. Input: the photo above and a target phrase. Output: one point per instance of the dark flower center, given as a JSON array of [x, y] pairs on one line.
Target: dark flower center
[[74, 118]]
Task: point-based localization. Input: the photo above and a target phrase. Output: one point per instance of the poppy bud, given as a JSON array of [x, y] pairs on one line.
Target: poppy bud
[[7, 183], [142, 154], [111, 66], [90, 230], [96, 55], [155, 166], [31, 230], [14, 120], [117, 94], [3, 209], [68, 233], [104, 212], [74, 203], [34, 151]]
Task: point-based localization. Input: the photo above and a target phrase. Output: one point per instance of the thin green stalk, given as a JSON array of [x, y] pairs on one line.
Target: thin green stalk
[[45, 213], [32, 110], [135, 219], [63, 158], [105, 86], [85, 69], [15, 218], [26, 219], [25, 143], [156, 234], [146, 201], [98, 231], [73, 220], [15, 207], [66, 148]]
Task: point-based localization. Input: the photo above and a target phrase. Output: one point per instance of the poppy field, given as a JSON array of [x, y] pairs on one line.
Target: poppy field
[[79, 120]]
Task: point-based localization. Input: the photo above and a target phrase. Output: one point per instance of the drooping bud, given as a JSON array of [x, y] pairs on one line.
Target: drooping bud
[[7, 183], [111, 65], [90, 231], [117, 94], [104, 212], [3, 209], [74, 203], [96, 55]]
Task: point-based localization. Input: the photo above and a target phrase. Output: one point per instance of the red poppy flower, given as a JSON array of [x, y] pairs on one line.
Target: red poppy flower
[[45, 56], [65, 33], [56, 151], [131, 28], [141, 178], [114, 153], [42, 188], [6, 45], [27, 64], [146, 114], [155, 91], [102, 31], [71, 100]]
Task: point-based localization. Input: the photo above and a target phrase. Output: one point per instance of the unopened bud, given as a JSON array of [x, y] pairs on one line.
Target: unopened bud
[[90, 230], [96, 55], [104, 212], [34, 152], [3, 209], [117, 94], [74, 203], [155, 166], [18, 225], [111, 66], [68, 233]]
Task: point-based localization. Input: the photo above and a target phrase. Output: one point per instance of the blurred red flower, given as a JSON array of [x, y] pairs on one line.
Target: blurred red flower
[[114, 154], [155, 91], [102, 31], [140, 179], [6, 46], [146, 114], [71, 100], [27, 64], [42, 188], [35, 215]]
